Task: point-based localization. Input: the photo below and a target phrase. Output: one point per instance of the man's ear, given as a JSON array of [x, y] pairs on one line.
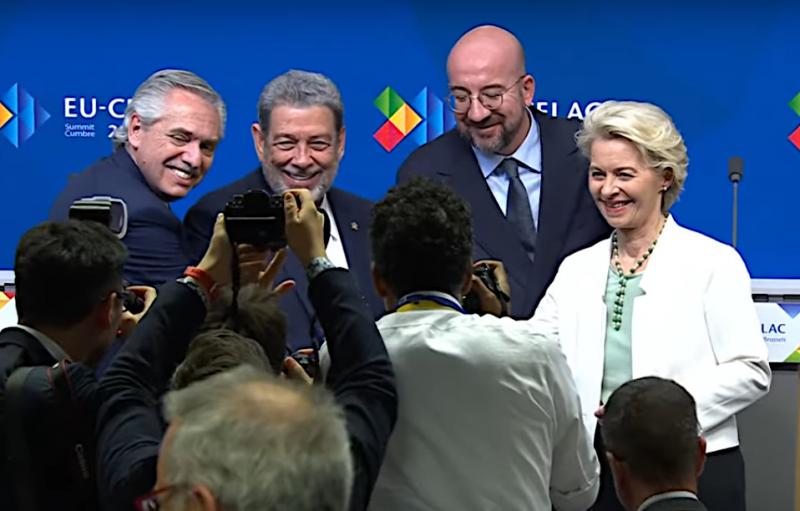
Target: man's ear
[[700, 462], [203, 499], [528, 89], [258, 140], [377, 282], [340, 149], [104, 311], [466, 284], [135, 128]]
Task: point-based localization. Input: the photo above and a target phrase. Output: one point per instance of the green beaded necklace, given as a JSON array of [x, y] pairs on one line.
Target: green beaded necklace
[[616, 319]]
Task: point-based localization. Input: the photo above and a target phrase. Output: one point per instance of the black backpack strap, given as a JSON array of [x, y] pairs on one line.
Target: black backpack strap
[[17, 439], [78, 424]]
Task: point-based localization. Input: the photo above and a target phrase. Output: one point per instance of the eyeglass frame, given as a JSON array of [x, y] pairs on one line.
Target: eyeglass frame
[[123, 294], [479, 95]]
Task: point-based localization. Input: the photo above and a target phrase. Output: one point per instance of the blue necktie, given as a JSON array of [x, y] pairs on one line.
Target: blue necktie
[[518, 207]]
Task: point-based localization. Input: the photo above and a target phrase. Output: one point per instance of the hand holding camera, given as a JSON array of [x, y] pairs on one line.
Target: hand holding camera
[[305, 225], [490, 293]]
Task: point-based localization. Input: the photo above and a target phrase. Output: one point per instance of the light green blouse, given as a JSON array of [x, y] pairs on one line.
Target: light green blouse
[[617, 368]]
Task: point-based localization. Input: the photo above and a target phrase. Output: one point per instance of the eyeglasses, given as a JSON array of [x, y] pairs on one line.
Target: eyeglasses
[[131, 302], [151, 501], [492, 99]]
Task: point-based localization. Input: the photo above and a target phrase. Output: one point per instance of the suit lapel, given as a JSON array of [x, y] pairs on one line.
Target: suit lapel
[[353, 224], [494, 237], [560, 190]]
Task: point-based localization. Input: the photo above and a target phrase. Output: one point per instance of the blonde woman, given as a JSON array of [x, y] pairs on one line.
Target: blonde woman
[[656, 298]]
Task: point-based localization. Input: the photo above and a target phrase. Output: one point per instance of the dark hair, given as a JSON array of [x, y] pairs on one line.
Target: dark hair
[[421, 236], [215, 351], [63, 269], [258, 317], [651, 424]]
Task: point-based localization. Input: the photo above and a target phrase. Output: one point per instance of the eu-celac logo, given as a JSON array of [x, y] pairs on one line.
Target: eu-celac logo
[[794, 138], [20, 115], [424, 118]]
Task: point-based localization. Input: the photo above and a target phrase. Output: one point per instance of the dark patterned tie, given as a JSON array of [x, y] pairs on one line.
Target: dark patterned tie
[[518, 207]]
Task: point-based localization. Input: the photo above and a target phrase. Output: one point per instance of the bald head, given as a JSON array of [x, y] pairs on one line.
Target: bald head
[[486, 46], [490, 89]]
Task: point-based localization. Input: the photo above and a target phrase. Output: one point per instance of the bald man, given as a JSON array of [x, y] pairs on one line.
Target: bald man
[[519, 169]]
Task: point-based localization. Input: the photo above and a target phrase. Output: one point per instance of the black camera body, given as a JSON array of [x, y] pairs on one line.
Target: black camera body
[[256, 218], [109, 211], [486, 275]]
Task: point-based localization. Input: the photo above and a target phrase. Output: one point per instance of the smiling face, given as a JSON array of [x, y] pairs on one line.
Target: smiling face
[[627, 191], [301, 150], [175, 152], [490, 61]]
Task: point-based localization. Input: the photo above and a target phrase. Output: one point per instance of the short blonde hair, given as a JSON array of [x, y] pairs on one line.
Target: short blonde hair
[[649, 129]]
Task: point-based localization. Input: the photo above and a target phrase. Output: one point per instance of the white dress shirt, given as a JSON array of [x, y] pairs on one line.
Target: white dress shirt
[[335, 247], [488, 418], [665, 496], [529, 156]]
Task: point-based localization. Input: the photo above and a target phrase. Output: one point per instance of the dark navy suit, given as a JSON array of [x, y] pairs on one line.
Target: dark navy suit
[[155, 243], [352, 215], [568, 217]]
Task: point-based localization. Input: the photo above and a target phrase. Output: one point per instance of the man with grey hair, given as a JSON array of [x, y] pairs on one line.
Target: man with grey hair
[[163, 149], [244, 439], [299, 140]]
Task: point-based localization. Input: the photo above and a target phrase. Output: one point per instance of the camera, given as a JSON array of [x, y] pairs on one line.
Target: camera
[[133, 303], [256, 218], [486, 274], [308, 358], [109, 211]]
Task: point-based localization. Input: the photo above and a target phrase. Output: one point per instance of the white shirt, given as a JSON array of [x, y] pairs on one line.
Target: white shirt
[[488, 418], [664, 496], [335, 247], [529, 156]]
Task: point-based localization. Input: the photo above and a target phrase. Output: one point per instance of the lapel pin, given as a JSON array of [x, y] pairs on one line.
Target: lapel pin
[[354, 226]]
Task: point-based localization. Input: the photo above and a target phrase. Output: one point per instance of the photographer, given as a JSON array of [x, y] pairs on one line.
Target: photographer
[[129, 426], [360, 379], [489, 416], [71, 302]]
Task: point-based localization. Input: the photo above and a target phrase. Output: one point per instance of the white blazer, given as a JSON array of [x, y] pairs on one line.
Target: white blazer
[[695, 323]]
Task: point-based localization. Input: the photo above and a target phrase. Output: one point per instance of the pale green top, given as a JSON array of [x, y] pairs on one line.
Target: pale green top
[[617, 368]]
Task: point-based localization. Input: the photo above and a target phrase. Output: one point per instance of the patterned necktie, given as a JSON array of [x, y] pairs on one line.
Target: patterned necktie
[[518, 207]]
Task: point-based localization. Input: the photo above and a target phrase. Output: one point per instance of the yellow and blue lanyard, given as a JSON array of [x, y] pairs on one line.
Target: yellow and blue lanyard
[[420, 301]]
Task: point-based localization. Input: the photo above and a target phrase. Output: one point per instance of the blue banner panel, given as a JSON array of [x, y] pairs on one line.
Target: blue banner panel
[[726, 74]]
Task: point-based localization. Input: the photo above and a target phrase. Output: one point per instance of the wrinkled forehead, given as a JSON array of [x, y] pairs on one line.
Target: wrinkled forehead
[[302, 121]]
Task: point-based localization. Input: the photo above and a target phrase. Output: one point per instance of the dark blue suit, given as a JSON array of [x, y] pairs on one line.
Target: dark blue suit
[[568, 217], [154, 239], [352, 215]]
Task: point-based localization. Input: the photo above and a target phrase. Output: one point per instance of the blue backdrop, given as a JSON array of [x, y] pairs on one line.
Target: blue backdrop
[[726, 75]]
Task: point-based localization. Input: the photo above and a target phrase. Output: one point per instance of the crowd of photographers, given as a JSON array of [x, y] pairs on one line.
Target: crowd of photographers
[[292, 346]]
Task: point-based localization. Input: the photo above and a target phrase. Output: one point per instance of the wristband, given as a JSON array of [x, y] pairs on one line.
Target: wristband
[[317, 266], [204, 279]]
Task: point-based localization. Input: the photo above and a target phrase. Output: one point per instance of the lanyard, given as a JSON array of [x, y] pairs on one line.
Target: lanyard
[[421, 301]]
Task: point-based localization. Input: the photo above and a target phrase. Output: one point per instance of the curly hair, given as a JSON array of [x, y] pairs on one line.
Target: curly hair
[[421, 236]]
